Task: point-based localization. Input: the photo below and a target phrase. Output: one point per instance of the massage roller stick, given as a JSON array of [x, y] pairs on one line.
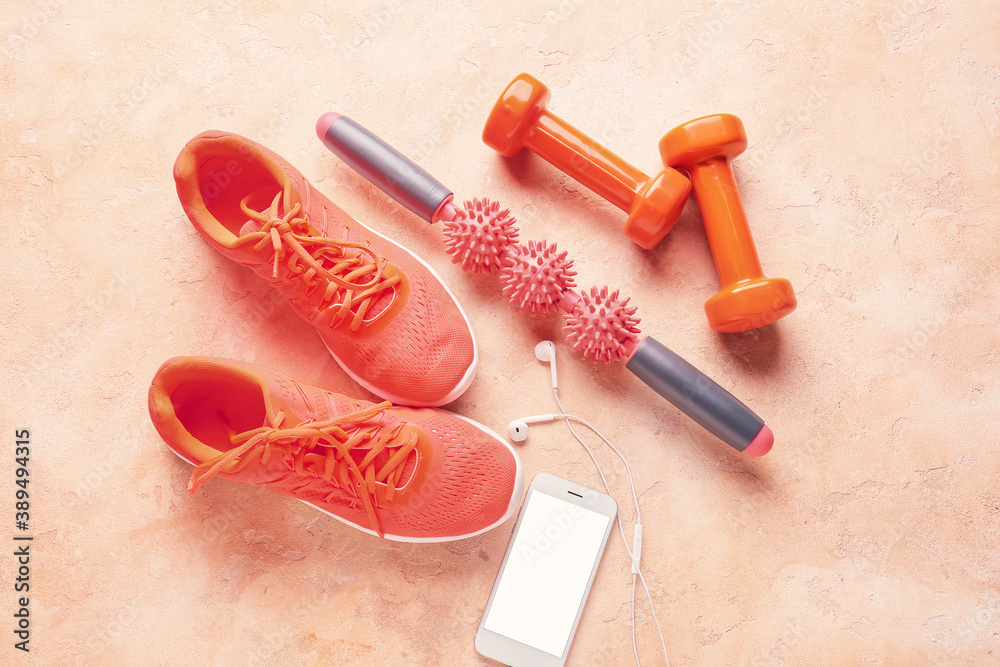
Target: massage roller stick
[[538, 279]]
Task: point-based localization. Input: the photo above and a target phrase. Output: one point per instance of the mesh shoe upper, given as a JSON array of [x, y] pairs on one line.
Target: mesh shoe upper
[[385, 316], [412, 474]]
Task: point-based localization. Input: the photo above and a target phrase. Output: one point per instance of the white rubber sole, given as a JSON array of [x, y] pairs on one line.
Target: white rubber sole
[[515, 498], [470, 373]]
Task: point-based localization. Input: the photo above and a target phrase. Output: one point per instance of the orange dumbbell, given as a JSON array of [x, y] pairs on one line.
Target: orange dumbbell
[[519, 119], [747, 300]]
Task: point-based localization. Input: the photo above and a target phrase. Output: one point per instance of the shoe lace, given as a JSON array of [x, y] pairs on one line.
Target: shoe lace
[[336, 439], [342, 265]]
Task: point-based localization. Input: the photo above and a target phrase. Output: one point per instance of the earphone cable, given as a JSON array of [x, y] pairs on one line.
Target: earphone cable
[[621, 531]]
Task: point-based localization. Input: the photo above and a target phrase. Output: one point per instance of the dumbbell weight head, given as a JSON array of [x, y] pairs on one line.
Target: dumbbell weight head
[[751, 304], [656, 208], [721, 135], [514, 114]]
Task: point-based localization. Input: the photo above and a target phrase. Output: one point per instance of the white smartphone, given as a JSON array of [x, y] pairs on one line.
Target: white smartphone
[[538, 597]]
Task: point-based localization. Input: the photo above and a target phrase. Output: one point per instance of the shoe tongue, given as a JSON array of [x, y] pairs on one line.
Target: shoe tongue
[[381, 303], [302, 403], [267, 202], [249, 227], [290, 419], [409, 465]]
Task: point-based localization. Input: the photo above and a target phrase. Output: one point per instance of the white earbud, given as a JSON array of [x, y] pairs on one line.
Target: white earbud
[[546, 352], [518, 429]]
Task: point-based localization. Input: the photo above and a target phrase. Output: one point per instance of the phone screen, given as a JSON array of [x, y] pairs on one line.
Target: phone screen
[[554, 553]]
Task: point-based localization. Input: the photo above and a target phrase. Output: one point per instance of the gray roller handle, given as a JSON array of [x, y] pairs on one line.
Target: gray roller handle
[[383, 165], [700, 398]]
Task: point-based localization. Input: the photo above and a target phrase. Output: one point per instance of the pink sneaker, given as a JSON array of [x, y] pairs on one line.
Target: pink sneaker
[[407, 474], [384, 314]]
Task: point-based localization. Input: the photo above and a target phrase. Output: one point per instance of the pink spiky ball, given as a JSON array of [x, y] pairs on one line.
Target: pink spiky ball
[[480, 235], [600, 323], [536, 276]]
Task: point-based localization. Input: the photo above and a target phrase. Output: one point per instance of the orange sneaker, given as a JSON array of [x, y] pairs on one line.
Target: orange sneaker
[[384, 314], [407, 474]]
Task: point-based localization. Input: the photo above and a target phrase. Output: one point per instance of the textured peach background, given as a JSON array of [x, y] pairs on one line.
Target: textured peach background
[[867, 537]]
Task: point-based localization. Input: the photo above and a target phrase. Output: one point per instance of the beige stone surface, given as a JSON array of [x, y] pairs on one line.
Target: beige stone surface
[[867, 537]]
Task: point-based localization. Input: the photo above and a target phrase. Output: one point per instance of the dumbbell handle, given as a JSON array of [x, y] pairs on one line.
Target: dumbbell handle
[[593, 165], [728, 232]]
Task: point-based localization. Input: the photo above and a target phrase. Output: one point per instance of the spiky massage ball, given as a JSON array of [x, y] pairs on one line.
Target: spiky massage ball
[[600, 323], [480, 235], [536, 276]]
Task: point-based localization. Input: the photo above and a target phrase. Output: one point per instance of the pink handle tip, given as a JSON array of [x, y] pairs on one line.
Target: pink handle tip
[[762, 443], [324, 123], [446, 212]]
